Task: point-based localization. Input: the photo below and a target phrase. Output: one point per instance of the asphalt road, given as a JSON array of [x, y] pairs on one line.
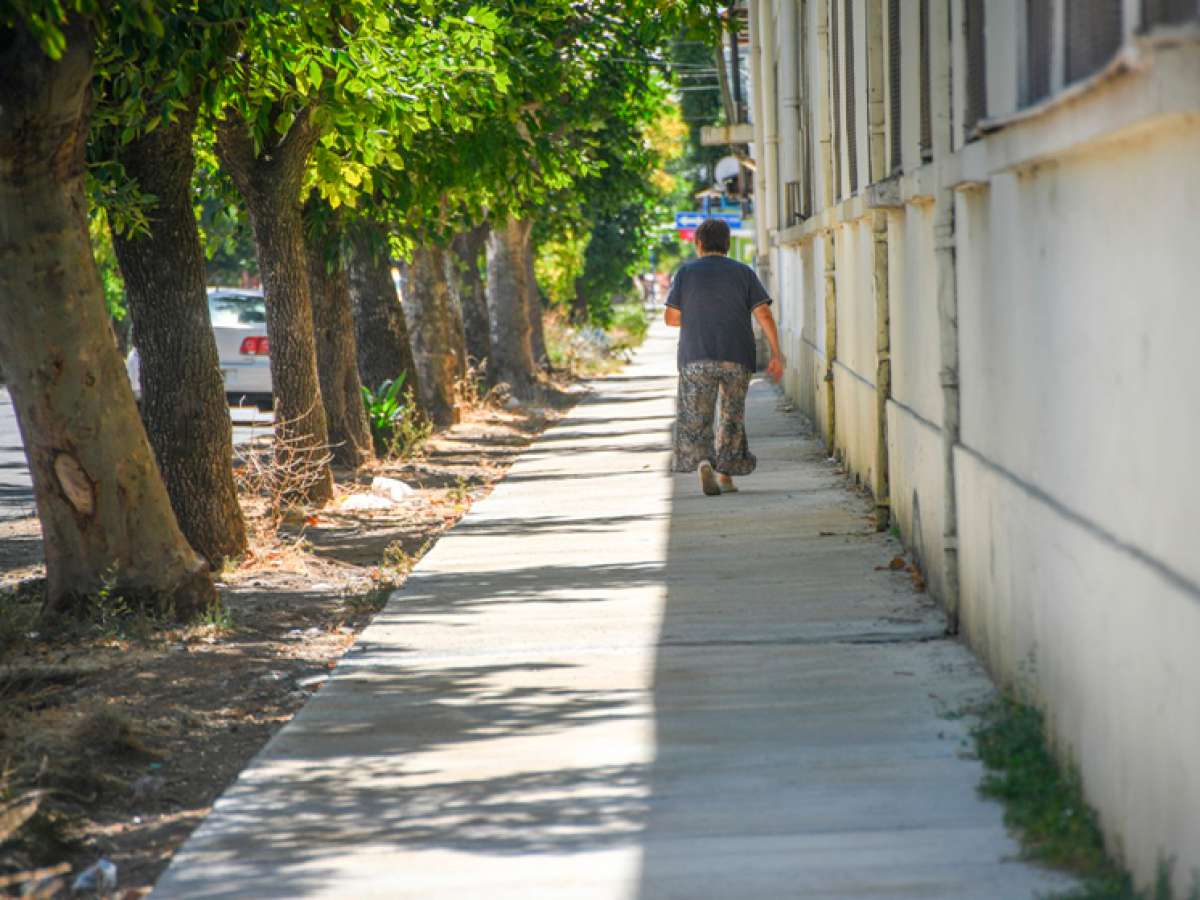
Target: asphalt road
[[16, 489]]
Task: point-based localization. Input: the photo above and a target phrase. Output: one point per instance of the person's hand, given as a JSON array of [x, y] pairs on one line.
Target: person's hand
[[775, 368]]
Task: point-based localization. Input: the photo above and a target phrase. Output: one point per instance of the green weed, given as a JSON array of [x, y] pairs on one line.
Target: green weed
[[1044, 804], [397, 426], [400, 561], [217, 616], [461, 492]]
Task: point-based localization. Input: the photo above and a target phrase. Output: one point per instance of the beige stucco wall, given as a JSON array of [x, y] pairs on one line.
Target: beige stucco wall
[[1078, 312], [854, 368], [1075, 280], [914, 419]]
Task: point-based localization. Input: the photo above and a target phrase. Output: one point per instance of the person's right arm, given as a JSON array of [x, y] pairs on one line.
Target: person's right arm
[[673, 316], [762, 312]]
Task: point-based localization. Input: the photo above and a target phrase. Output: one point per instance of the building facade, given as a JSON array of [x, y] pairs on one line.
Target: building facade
[[981, 222]]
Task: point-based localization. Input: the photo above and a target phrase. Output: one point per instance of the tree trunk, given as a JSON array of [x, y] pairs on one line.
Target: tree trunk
[[105, 514], [579, 305], [270, 185], [472, 294], [337, 357], [183, 394], [384, 350], [435, 332], [512, 351], [533, 309]]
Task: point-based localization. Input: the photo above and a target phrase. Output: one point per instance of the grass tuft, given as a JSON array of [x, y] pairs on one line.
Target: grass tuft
[[1044, 805]]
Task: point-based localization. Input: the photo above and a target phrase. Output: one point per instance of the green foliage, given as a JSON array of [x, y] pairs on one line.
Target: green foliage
[[397, 426], [558, 264], [106, 261], [632, 320], [1044, 804]]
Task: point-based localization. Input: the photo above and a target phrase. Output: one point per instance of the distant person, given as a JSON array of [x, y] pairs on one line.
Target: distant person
[[711, 300]]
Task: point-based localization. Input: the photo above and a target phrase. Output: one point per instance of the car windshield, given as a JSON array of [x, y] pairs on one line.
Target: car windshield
[[237, 309]]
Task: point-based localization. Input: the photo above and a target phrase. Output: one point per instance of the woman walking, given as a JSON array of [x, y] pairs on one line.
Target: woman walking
[[711, 300]]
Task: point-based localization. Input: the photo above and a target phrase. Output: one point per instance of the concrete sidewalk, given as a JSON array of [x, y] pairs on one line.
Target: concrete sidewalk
[[602, 684]]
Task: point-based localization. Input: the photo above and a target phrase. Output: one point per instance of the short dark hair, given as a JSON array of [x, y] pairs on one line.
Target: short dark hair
[[713, 236]]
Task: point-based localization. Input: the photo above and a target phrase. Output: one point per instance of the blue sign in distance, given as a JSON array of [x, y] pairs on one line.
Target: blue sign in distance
[[693, 219]]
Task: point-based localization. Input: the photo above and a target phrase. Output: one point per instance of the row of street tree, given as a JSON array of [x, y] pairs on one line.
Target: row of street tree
[[347, 132]]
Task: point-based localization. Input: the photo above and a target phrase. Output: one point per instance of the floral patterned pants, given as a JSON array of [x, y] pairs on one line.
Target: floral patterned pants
[[696, 438]]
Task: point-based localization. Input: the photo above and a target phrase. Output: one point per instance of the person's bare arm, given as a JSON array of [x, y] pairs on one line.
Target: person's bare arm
[[673, 316], [762, 312]]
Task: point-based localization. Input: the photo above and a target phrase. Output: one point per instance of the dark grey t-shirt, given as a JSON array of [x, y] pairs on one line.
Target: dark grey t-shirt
[[715, 295]]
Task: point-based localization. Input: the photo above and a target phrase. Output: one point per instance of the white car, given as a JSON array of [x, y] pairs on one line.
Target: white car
[[239, 321]]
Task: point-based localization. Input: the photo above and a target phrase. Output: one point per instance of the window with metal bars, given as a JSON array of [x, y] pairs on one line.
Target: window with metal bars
[[926, 98], [794, 209], [976, 105], [896, 146], [1039, 33], [835, 83], [1169, 12], [1093, 35], [851, 109]]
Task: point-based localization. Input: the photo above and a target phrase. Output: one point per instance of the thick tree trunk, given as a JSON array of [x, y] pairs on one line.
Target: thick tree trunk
[[435, 332], [384, 350], [467, 248], [512, 351], [458, 335], [105, 514], [337, 356], [270, 185], [183, 395], [533, 309]]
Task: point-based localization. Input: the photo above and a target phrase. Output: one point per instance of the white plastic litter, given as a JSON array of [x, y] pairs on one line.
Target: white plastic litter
[[356, 502], [391, 488], [100, 877]]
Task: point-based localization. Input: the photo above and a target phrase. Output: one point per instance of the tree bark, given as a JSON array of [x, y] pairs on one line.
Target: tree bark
[[457, 333], [105, 514], [384, 350], [270, 182], [512, 350], [435, 332], [183, 394], [337, 355], [533, 309], [579, 305], [472, 294]]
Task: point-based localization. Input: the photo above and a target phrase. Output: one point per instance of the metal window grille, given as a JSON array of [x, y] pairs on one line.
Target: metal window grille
[[851, 108], [1093, 35], [1039, 32], [976, 107], [795, 202], [835, 81], [926, 98], [1169, 12], [894, 133]]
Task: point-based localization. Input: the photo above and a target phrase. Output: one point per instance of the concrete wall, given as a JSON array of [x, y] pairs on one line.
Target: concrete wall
[[854, 368], [1078, 313], [1047, 496], [914, 419]]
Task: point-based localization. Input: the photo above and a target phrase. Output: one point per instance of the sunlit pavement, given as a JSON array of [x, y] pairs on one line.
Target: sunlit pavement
[[602, 684]]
